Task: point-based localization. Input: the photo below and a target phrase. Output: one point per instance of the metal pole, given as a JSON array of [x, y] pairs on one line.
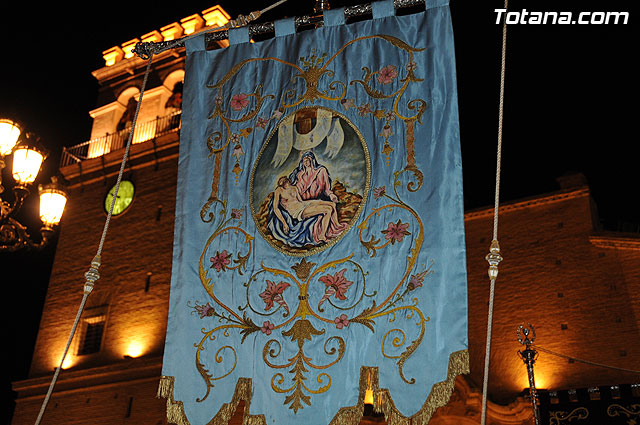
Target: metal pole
[[529, 356]]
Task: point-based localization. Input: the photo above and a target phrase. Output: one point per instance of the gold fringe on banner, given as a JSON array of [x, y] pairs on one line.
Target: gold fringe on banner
[[351, 415], [438, 397], [242, 392], [175, 409]]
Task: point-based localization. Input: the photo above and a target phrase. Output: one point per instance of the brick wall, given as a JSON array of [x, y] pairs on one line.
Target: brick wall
[[581, 298], [138, 242], [130, 403]]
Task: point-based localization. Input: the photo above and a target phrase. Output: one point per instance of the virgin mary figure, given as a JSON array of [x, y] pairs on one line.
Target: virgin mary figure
[[312, 182], [312, 179]]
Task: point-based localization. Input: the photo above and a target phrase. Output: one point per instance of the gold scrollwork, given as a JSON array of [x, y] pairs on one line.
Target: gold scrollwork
[[219, 358], [560, 417], [631, 412], [301, 331]]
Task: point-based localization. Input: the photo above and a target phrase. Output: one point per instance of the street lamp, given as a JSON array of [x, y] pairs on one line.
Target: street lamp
[[27, 159], [529, 356]]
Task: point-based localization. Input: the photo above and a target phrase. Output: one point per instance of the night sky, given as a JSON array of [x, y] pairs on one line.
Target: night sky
[[570, 106]]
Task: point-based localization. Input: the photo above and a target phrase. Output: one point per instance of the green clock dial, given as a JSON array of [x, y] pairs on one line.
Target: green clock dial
[[123, 200]]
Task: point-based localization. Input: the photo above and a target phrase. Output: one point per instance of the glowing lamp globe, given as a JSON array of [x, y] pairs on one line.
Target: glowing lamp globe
[[52, 202], [26, 164], [9, 134]]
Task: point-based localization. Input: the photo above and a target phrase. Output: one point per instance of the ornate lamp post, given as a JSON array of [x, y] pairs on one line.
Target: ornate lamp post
[[27, 159], [529, 356]]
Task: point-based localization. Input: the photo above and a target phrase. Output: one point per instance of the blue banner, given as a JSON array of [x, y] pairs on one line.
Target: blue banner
[[319, 253]]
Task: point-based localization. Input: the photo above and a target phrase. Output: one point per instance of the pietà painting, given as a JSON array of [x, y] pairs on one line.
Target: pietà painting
[[319, 251]]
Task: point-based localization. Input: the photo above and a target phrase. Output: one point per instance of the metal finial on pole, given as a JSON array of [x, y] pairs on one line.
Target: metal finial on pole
[[529, 356], [321, 5]]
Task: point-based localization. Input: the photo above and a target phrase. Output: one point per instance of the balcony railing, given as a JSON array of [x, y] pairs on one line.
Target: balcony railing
[[111, 142]]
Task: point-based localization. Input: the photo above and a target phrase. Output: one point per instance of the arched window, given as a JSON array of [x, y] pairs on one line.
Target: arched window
[[173, 105]]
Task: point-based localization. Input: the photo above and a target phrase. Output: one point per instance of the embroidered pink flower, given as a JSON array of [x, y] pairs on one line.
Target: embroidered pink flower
[[220, 261], [395, 232], [235, 213], [379, 192], [364, 109], [386, 131], [341, 321], [416, 280], [335, 285], [262, 122], [237, 152], [273, 293], [239, 101], [277, 114], [204, 310], [347, 103], [267, 327], [387, 74]]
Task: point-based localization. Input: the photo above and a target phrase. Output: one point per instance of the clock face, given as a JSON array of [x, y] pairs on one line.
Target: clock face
[[123, 200]]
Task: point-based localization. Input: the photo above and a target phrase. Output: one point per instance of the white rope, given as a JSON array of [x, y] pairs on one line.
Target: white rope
[[564, 356], [494, 243], [92, 275]]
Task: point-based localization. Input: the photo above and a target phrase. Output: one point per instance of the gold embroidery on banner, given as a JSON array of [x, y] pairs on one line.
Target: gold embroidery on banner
[[208, 377], [303, 269], [300, 332]]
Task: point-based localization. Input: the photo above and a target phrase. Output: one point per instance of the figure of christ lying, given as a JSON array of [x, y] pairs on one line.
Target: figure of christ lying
[[287, 197]]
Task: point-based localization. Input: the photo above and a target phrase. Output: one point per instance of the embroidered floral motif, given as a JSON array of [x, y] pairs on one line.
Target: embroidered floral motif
[[267, 327], [416, 280], [205, 310], [390, 115], [277, 113], [273, 293], [379, 192], [262, 122], [387, 74], [237, 152], [395, 232], [364, 109], [220, 261], [335, 285], [239, 101], [347, 103], [341, 321], [236, 213], [411, 66], [386, 131]]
